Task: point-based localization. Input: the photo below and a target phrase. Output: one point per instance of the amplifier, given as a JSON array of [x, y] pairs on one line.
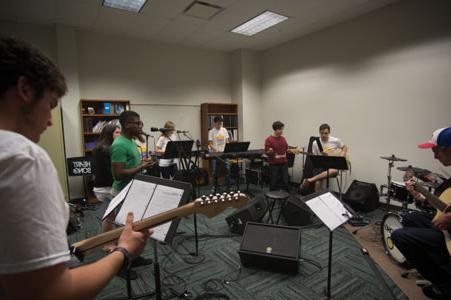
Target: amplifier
[[271, 247]]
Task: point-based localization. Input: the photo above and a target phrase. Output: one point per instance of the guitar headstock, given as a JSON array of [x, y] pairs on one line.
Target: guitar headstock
[[212, 205]]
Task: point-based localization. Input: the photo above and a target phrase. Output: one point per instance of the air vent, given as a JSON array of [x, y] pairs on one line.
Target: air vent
[[202, 10]]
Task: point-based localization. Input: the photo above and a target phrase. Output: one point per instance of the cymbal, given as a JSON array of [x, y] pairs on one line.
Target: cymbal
[[393, 158], [415, 170]]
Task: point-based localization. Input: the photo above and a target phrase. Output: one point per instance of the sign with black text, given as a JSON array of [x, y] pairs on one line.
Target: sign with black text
[[80, 166]]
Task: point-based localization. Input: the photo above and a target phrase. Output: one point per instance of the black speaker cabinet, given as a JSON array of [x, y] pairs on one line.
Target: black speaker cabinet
[[296, 212], [271, 247], [362, 196], [251, 212]]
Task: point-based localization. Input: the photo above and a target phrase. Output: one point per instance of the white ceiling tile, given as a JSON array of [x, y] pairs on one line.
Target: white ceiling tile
[[165, 8], [80, 14], [163, 20]]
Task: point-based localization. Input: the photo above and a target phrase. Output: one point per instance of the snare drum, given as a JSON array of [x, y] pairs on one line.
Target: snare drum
[[399, 192], [391, 222]]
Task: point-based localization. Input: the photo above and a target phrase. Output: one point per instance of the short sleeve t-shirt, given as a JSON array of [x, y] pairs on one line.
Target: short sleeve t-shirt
[[33, 212], [162, 144], [332, 146], [126, 152], [218, 138]]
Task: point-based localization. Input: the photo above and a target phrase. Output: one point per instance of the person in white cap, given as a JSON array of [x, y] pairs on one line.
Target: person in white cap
[[422, 240]]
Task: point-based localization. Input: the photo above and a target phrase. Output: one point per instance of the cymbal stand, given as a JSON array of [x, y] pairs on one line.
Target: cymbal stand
[[388, 195]]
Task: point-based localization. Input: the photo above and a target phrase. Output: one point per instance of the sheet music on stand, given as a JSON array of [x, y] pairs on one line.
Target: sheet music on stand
[[147, 196], [329, 210]]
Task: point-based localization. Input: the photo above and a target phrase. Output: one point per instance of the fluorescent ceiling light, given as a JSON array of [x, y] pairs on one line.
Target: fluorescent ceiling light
[[259, 23], [130, 5]]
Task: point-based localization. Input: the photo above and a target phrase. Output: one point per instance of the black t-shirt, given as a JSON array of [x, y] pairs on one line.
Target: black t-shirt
[[102, 165]]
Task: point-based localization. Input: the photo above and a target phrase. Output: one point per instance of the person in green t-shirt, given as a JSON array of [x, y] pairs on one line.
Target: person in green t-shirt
[[125, 157]]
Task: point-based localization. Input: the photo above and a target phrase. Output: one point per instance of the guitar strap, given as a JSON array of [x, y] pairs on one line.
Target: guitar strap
[[320, 146]]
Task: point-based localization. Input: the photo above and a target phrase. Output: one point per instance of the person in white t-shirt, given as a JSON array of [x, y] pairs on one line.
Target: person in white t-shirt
[[330, 146], [218, 137], [34, 216], [168, 167]]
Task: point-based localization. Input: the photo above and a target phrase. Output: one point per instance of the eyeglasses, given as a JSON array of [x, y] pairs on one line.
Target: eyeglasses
[[139, 123]]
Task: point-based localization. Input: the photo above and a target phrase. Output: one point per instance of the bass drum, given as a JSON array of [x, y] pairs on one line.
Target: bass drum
[[391, 222]]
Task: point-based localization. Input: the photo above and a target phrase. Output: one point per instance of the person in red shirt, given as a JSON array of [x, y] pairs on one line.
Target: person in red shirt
[[276, 148]]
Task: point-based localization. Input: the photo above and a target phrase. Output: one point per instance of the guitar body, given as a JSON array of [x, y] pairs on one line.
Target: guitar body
[[445, 197]]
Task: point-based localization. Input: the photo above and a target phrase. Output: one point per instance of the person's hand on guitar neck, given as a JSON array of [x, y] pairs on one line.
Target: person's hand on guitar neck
[[410, 187], [133, 241]]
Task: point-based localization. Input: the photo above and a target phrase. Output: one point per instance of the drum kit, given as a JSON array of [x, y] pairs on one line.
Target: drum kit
[[398, 191]]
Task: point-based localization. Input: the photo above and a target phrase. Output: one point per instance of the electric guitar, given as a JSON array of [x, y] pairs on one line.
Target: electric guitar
[[208, 206], [442, 204]]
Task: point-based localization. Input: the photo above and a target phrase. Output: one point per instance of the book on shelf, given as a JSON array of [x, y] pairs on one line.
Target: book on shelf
[[107, 108], [231, 137]]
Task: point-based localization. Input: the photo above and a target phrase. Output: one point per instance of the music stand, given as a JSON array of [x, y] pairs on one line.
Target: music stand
[[182, 150], [151, 204], [329, 162], [237, 147]]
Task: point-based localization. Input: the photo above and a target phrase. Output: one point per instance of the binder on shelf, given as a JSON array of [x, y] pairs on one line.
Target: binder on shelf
[[107, 108]]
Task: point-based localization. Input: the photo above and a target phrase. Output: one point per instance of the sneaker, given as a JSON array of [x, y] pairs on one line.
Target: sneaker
[[141, 261], [123, 274], [435, 292]]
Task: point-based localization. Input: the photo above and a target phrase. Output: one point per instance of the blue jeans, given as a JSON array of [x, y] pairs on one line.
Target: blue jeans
[[423, 246], [214, 173], [169, 171]]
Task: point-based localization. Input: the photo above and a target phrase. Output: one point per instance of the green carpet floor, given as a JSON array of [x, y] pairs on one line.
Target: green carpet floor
[[221, 271]]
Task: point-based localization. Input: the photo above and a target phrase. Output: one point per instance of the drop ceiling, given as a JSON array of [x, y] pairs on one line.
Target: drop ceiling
[[165, 20]]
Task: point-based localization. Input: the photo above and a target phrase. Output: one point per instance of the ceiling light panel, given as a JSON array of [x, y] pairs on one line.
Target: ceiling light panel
[[129, 5], [259, 23]]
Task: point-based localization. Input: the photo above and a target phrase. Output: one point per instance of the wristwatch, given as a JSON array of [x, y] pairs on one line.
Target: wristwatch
[[127, 258]]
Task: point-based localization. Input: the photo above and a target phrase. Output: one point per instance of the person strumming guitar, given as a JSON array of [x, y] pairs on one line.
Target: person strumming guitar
[[425, 239]]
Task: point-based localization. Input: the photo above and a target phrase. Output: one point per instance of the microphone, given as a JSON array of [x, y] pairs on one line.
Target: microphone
[[160, 129]]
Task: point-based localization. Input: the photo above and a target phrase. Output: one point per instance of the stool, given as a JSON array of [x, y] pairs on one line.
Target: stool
[[275, 196]]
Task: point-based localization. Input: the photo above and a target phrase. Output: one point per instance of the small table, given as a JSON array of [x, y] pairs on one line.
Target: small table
[[275, 196]]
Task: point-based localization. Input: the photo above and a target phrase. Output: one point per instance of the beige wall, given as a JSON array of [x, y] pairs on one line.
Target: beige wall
[[246, 92], [382, 82], [146, 72], [43, 37]]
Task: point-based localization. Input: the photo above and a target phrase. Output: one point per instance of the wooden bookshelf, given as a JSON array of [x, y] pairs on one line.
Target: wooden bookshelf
[[93, 111]]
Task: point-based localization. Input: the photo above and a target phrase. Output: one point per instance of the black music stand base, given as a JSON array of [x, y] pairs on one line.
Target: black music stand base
[[329, 268], [157, 275], [195, 257]]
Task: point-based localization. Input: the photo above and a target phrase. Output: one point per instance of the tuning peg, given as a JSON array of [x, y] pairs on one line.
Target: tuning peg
[[211, 195], [203, 197], [202, 203]]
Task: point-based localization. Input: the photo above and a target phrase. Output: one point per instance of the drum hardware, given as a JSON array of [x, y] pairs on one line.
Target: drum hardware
[[391, 159], [390, 223]]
